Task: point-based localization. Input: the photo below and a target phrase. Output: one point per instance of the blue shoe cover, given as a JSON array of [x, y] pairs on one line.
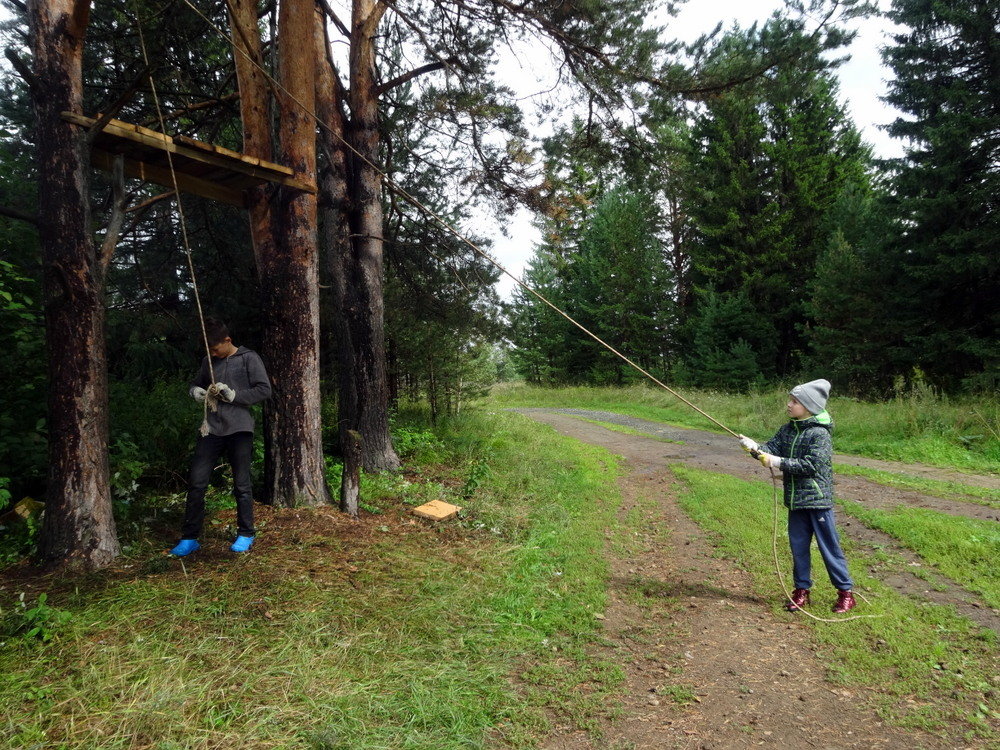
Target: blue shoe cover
[[185, 547], [242, 544]]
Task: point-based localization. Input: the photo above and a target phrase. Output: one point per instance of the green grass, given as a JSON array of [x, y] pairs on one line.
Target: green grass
[[939, 488], [920, 428], [925, 665], [382, 635], [964, 549]]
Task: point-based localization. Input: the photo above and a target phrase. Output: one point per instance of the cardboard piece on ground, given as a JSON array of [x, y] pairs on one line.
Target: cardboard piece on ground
[[437, 510]]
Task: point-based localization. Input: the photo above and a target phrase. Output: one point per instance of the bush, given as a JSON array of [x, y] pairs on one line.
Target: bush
[[153, 429]]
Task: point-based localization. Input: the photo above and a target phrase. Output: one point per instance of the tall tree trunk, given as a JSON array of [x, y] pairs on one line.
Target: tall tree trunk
[[334, 207], [290, 277], [365, 404], [284, 231], [79, 529]]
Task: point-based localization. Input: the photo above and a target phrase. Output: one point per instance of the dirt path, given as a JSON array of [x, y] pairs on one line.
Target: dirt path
[[753, 679], [709, 450]]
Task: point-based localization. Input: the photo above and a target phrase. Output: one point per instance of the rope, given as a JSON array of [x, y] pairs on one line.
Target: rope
[[448, 228], [489, 258], [211, 397], [777, 564]]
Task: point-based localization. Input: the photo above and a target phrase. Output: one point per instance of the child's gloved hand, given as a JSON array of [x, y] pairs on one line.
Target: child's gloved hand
[[198, 394], [748, 444], [769, 462], [223, 391]]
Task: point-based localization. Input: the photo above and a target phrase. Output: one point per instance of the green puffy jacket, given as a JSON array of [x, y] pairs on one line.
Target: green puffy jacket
[[805, 447]]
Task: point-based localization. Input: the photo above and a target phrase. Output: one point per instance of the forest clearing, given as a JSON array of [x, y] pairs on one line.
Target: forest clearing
[[614, 596], [253, 320]]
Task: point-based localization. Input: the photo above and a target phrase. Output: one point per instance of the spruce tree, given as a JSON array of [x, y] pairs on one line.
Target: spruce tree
[[945, 187], [769, 162]]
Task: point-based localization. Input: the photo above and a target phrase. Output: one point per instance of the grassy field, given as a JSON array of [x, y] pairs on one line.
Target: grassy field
[[381, 634], [924, 666], [389, 633], [964, 549], [921, 427]]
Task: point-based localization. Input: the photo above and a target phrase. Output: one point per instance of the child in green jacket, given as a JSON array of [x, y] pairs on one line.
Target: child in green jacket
[[802, 450]]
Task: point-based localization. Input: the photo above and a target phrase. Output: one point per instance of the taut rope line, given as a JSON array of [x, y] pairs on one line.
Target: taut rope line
[[447, 227], [482, 253], [210, 397]]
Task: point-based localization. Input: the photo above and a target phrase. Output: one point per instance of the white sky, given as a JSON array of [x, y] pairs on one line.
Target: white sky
[[862, 81]]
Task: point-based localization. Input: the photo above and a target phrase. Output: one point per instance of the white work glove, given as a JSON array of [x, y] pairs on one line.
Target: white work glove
[[769, 461], [223, 391], [748, 444], [198, 394]]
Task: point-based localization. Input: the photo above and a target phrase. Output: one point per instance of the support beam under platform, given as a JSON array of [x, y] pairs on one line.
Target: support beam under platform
[[202, 169]]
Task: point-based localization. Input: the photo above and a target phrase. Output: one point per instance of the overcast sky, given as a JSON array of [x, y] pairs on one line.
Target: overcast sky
[[862, 82]]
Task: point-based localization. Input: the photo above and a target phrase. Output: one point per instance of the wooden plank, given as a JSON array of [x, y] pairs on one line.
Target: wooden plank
[[204, 153], [437, 510], [161, 176], [223, 151]]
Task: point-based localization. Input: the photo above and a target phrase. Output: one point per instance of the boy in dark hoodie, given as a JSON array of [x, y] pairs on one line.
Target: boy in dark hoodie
[[240, 382], [802, 450]]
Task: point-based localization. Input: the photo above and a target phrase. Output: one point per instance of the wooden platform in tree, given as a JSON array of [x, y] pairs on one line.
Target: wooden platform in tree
[[202, 168]]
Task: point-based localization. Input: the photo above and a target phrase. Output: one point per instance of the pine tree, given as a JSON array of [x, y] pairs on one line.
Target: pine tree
[[947, 66], [539, 334], [856, 300]]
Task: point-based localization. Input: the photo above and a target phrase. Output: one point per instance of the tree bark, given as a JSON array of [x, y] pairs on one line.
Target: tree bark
[[296, 473], [283, 225], [350, 485], [365, 403], [334, 207], [79, 529]]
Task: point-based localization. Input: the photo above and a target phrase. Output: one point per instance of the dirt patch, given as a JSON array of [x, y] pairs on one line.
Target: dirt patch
[[900, 571], [707, 664]]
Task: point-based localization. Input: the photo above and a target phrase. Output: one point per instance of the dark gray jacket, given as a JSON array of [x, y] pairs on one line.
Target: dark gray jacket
[[243, 372], [805, 447]]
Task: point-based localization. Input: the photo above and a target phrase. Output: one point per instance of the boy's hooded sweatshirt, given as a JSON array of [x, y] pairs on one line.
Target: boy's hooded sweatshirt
[[805, 447], [244, 372]]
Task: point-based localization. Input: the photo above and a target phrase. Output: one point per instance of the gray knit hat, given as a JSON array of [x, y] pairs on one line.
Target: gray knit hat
[[812, 395]]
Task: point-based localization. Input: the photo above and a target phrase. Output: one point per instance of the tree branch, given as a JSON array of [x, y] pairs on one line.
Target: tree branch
[[332, 15], [120, 102], [114, 231], [150, 201], [410, 75], [22, 68], [194, 108]]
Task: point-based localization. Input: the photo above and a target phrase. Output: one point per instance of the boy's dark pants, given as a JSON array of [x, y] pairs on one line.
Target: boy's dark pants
[[803, 525], [238, 448]]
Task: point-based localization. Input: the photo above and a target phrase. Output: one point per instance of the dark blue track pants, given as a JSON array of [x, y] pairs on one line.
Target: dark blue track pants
[[238, 449], [803, 525]]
